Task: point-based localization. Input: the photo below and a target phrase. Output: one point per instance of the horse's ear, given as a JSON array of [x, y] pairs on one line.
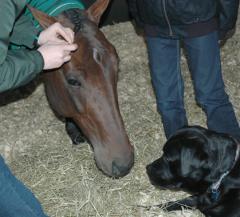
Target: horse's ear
[[96, 10], [44, 20]]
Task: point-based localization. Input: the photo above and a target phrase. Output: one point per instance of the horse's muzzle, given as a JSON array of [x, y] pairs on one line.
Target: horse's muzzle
[[119, 170], [117, 166]]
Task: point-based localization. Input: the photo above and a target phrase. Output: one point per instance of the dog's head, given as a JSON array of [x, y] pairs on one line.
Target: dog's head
[[193, 159]]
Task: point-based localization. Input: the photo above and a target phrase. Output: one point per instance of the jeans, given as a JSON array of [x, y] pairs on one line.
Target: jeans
[[15, 199], [204, 62]]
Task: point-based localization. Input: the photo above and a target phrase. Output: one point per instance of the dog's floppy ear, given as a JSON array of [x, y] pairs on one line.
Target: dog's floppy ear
[[192, 162], [193, 157], [222, 151], [206, 149], [189, 145]]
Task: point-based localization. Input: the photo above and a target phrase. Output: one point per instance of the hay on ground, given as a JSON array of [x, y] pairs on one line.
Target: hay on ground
[[65, 177]]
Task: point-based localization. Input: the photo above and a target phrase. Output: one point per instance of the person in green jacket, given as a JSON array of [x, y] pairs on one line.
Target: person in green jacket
[[19, 66], [20, 61]]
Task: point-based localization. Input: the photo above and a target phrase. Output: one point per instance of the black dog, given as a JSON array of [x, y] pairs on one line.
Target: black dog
[[205, 164]]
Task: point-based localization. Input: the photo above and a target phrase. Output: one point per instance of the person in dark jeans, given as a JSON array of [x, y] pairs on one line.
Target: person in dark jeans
[[16, 199], [198, 25]]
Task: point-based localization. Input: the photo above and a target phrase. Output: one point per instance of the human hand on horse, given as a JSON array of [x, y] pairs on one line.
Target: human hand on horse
[[56, 33], [56, 54], [56, 45]]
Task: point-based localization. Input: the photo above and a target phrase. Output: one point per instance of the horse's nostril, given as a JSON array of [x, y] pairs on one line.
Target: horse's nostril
[[119, 170]]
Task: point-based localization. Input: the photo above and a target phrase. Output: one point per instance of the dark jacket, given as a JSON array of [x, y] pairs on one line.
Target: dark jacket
[[172, 16]]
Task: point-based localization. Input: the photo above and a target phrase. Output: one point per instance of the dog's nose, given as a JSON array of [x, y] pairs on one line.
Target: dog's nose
[[148, 168]]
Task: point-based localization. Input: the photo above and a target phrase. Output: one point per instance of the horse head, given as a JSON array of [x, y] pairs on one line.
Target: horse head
[[85, 88]]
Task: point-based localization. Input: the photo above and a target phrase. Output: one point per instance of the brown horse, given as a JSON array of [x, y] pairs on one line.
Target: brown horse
[[84, 90]]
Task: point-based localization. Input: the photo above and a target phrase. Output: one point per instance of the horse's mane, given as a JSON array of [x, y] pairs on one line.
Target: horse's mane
[[77, 17]]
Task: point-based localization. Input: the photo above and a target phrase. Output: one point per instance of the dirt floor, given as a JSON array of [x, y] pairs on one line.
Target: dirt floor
[[64, 177]]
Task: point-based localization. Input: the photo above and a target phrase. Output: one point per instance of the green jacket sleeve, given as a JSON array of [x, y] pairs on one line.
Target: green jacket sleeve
[[17, 67], [24, 33]]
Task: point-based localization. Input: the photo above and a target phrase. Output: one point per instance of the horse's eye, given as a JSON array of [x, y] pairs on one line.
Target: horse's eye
[[96, 55], [73, 82]]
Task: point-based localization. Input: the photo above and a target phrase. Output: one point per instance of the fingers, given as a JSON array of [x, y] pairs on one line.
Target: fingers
[[52, 33], [64, 45], [67, 52], [70, 47], [70, 33], [56, 54], [66, 33], [58, 41], [67, 58]]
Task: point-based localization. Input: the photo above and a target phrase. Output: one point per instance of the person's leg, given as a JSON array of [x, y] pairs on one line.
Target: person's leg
[[164, 60], [15, 199], [205, 65]]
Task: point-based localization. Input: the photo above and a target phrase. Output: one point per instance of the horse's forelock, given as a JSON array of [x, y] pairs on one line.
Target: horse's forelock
[[77, 17]]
